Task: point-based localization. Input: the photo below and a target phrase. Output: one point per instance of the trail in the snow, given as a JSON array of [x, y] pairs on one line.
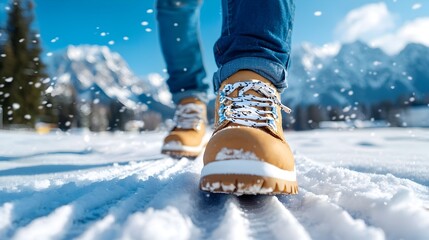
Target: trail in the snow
[[130, 189], [268, 218], [124, 191], [88, 202], [138, 200]]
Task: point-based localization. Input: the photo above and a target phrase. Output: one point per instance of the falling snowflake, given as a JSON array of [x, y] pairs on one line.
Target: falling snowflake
[[16, 106], [49, 90], [416, 6], [376, 63], [317, 13]]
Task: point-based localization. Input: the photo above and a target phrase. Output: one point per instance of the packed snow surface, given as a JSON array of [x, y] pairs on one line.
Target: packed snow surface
[[361, 184]]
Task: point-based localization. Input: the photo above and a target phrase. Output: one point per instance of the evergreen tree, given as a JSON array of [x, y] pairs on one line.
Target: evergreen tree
[[21, 69]]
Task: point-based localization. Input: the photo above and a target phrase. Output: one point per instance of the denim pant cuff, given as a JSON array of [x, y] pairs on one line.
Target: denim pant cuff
[[270, 70], [202, 96]]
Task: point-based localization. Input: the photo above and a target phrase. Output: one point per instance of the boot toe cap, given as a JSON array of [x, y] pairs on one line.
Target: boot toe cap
[[251, 144]]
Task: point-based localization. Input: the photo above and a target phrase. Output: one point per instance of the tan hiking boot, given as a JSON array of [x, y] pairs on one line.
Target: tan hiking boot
[[247, 153], [187, 138]]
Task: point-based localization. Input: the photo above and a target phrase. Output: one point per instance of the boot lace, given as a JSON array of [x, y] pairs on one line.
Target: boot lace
[[247, 109], [189, 116]]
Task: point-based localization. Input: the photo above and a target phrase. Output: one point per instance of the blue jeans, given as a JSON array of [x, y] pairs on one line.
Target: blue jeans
[[256, 36]]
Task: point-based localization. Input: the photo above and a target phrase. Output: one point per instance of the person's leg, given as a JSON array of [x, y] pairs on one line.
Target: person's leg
[[247, 153], [178, 24], [256, 36]]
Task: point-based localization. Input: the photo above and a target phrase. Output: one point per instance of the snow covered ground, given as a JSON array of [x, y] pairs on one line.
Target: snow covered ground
[[361, 184]]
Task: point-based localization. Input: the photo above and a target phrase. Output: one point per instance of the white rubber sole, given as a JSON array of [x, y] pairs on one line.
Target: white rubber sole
[[178, 147], [247, 167]]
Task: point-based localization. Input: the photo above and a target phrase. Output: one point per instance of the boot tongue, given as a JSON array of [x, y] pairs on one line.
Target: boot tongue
[[202, 115], [243, 76]]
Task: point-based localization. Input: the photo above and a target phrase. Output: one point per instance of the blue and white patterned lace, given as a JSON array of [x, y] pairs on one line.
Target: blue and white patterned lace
[[247, 109]]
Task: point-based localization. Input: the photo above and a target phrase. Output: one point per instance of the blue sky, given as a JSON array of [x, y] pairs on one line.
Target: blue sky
[[65, 22]]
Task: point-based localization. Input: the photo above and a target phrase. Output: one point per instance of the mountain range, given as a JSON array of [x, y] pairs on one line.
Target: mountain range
[[357, 74]]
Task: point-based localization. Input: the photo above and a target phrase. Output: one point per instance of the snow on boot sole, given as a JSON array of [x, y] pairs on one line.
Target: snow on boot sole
[[247, 177]]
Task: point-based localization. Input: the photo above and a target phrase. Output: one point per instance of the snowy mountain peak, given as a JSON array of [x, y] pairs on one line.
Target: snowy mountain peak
[[414, 50], [96, 69], [361, 52], [89, 53], [355, 47]]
